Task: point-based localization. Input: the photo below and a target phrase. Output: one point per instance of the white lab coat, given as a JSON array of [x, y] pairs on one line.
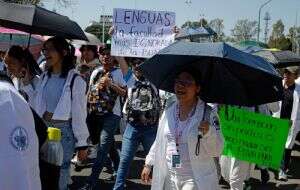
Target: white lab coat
[[203, 166], [19, 150], [75, 109], [295, 118]]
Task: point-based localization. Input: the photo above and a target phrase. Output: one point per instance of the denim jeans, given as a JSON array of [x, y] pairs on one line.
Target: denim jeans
[[132, 138], [108, 124], [68, 144]]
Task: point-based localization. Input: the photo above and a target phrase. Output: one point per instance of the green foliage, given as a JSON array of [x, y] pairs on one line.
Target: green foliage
[[64, 3], [218, 26], [96, 29], [195, 24], [244, 30], [278, 39]]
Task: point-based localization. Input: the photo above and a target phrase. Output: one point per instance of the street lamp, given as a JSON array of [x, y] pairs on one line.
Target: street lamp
[[259, 17]]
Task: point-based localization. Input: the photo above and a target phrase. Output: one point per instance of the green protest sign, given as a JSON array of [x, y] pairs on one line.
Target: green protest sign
[[253, 137]]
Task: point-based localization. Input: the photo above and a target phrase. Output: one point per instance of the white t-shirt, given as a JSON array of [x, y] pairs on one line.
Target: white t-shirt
[[117, 77], [183, 151]]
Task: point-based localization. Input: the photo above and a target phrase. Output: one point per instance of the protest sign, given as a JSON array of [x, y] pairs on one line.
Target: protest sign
[[141, 33], [253, 137]]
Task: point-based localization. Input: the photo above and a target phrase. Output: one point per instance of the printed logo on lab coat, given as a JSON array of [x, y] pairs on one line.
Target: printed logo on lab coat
[[19, 139]]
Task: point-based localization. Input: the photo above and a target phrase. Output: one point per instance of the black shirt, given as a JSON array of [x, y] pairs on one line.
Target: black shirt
[[287, 102]]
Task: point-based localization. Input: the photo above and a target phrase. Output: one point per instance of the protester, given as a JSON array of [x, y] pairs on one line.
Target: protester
[[106, 87], [61, 101], [176, 163], [289, 109], [19, 143], [23, 70], [89, 57], [142, 110]]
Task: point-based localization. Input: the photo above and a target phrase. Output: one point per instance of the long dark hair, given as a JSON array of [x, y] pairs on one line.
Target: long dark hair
[[61, 46], [25, 58], [93, 48]]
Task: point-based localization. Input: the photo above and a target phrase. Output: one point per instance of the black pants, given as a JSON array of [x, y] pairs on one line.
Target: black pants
[[49, 176], [286, 159], [94, 123]]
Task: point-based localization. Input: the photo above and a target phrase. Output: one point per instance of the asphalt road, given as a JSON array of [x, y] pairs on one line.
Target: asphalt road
[[134, 183]]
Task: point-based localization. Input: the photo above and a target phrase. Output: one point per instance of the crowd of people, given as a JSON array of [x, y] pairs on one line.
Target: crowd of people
[[91, 97]]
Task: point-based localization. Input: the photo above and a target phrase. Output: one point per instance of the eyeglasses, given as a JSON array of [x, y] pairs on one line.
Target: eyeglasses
[[184, 82], [44, 50]]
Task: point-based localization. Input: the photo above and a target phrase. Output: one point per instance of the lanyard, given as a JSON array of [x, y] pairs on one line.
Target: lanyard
[[178, 132]]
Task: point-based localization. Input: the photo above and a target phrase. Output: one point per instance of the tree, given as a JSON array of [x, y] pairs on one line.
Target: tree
[[278, 30], [195, 24], [64, 3], [278, 39], [244, 30], [96, 29], [218, 26], [294, 35]]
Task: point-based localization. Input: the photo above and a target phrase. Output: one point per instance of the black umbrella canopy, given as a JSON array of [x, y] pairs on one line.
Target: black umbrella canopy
[[280, 59], [228, 75], [37, 20]]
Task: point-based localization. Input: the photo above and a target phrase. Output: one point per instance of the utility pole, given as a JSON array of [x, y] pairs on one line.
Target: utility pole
[[259, 12], [267, 19]]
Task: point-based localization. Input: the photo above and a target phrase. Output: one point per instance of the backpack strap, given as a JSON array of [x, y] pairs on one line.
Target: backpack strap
[[72, 84]]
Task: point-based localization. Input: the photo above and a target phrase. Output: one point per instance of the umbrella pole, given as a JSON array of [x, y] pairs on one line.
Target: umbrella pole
[[10, 40], [28, 43]]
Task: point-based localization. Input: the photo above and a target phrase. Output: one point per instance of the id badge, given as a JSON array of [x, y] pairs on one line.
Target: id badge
[[176, 162]]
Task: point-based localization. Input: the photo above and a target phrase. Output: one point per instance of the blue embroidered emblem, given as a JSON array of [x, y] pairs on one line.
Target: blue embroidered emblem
[[19, 139]]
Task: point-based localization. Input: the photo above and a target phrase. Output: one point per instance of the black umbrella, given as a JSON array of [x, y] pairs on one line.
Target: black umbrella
[[37, 20], [228, 75], [280, 59]]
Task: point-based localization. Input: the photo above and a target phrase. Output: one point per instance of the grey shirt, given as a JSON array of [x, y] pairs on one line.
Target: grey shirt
[[53, 91]]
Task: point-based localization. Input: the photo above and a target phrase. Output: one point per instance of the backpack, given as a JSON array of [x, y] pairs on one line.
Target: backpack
[[143, 107], [101, 102]]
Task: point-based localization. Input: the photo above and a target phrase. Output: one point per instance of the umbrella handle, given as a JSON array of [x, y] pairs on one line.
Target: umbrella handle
[[197, 151], [29, 39]]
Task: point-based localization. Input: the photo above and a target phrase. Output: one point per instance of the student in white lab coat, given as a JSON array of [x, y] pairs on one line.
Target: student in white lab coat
[[19, 158], [60, 100], [179, 161], [289, 109], [22, 67]]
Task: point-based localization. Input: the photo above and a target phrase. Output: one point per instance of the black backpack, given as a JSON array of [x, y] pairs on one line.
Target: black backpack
[[143, 107]]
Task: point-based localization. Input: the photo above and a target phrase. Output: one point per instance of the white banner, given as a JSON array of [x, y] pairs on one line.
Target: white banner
[[141, 33]]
